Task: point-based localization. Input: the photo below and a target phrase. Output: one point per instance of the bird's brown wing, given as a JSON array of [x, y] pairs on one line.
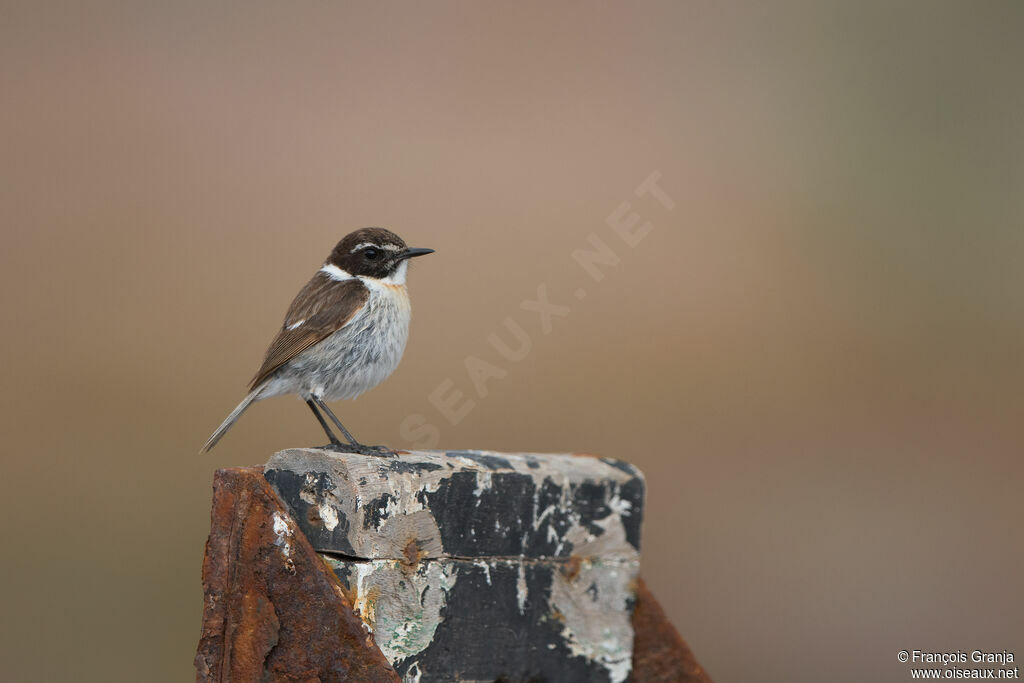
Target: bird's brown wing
[[322, 308]]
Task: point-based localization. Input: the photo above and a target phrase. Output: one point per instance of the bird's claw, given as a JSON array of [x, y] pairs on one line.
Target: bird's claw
[[360, 449], [379, 451]]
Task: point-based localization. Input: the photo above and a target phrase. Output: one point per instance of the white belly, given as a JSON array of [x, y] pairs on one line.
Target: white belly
[[357, 357]]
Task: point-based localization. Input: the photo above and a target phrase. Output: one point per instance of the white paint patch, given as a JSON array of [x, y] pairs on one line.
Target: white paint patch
[[328, 515], [282, 530], [308, 491], [620, 506], [611, 543], [540, 519], [335, 273], [522, 590], [596, 622], [413, 673], [402, 610], [617, 504], [487, 569], [483, 483]]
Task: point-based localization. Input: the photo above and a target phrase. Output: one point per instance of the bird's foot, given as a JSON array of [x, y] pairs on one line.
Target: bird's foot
[[339, 447], [379, 451], [360, 449]]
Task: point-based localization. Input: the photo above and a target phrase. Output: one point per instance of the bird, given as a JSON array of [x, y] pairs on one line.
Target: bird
[[344, 333]]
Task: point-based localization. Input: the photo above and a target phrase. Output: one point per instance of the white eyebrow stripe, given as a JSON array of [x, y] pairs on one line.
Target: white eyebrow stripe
[[386, 247], [335, 273], [294, 325]]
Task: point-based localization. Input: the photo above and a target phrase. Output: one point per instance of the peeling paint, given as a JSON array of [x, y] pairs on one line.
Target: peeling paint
[[586, 610], [308, 491], [282, 530], [620, 506], [595, 615], [539, 519], [530, 558], [522, 590], [483, 483], [413, 674], [608, 544], [328, 515], [401, 608], [485, 565]]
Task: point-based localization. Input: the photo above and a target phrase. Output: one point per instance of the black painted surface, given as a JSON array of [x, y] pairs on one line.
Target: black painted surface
[[289, 487], [484, 636]]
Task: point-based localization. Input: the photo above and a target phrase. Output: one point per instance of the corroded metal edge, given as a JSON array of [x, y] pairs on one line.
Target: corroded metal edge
[[272, 609], [660, 655]]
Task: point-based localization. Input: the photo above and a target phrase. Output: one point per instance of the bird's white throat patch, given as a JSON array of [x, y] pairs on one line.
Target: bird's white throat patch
[[398, 276]]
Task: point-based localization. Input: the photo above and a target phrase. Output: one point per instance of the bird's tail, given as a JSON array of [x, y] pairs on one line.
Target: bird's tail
[[232, 418]]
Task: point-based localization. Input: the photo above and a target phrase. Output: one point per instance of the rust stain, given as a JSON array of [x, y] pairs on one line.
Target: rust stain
[[365, 605], [272, 620], [412, 553], [571, 569]]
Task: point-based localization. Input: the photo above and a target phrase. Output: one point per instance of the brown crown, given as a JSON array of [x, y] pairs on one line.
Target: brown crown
[[378, 259]]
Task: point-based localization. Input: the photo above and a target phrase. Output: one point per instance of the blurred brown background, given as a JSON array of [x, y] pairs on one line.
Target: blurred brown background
[[815, 356]]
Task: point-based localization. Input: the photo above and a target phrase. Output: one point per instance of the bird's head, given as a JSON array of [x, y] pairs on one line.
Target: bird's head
[[376, 253]]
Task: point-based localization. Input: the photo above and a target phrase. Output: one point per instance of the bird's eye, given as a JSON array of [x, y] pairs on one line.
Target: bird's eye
[[371, 254]]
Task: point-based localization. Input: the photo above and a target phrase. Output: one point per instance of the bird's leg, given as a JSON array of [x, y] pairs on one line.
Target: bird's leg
[[355, 445], [320, 419], [334, 418]]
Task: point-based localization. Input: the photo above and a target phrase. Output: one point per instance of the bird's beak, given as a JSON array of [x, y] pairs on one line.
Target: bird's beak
[[414, 251]]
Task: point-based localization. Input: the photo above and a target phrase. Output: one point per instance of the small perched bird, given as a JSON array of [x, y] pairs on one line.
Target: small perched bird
[[343, 335]]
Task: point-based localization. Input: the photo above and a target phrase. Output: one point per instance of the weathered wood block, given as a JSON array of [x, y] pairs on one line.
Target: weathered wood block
[[462, 503], [470, 565]]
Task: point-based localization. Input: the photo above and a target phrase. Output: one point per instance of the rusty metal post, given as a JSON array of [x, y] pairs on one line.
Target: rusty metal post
[[432, 567]]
